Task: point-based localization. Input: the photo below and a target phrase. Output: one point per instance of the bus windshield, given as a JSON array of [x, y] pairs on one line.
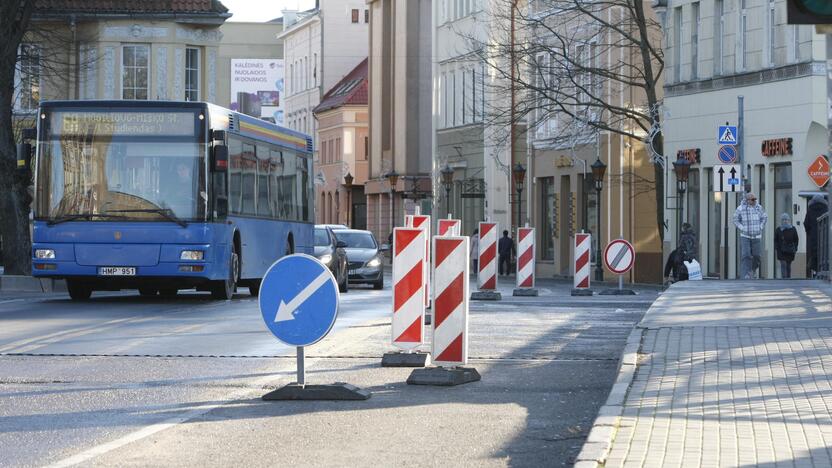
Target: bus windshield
[[128, 164]]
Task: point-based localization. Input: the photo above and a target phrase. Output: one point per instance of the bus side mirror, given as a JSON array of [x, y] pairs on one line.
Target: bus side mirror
[[221, 207], [219, 158], [24, 157]]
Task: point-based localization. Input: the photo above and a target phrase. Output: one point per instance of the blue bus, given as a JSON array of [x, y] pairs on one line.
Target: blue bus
[[160, 196]]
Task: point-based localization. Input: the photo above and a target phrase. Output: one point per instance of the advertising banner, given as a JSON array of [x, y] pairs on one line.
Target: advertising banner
[[257, 88]]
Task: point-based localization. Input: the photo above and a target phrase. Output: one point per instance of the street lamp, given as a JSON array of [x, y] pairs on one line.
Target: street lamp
[[348, 185], [393, 179], [598, 170], [681, 168], [447, 182], [519, 173]]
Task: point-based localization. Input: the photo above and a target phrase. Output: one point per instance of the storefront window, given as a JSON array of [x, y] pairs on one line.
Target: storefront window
[[692, 214], [714, 227], [782, 199], [547, 200]]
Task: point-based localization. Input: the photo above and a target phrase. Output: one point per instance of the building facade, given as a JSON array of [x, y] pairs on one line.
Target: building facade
[[401, 112], [718, 51], [321, 46], [343, 122]]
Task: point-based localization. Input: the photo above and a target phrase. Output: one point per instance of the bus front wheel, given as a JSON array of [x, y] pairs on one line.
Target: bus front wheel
[[224, 289], [78, 291]]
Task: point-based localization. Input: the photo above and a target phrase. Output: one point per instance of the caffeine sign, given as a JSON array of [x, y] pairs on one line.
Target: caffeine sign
[[819, 171]]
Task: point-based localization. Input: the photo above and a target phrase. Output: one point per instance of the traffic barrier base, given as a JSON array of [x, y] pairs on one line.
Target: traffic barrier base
[[486, 296], [581, 292], [443, 376], [338, 391], [617, 292], [527, 292], [401, 359]]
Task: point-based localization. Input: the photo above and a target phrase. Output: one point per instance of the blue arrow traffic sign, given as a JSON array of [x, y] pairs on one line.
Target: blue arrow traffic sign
[[727, 154], [299, 300], [727, 135]]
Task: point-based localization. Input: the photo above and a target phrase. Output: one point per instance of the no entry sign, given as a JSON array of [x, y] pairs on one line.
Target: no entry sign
[[619, 256]]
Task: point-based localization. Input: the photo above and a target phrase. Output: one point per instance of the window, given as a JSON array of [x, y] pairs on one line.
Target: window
[[677, 44], [743, 39], [694, 41], [547, 204], [135, 66], [692, 208], [795, 43], [27, 78], [337, 155], [249, 173], [772, 34], [192, 74], [355, 15], [366, 148], [315, 69], [465, 96], [366, 16], [719, 36]]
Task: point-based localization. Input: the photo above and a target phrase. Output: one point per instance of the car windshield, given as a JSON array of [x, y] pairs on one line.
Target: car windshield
[[321, 238], [356, 240], [137, 165]]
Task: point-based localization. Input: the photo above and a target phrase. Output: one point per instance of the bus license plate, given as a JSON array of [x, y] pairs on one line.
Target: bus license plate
[[117, 271]]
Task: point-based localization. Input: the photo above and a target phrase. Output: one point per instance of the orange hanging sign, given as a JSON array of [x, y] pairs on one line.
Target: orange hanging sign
[[819, 171]]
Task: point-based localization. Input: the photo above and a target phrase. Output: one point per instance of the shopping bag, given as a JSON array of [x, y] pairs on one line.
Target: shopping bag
[[694, 270]]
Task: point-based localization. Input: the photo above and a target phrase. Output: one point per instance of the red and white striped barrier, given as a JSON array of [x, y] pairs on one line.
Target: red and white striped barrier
[[423, 222], [450, 300], [408, 287], [449, 227], [583, 242], [487, 276], [525, 258]]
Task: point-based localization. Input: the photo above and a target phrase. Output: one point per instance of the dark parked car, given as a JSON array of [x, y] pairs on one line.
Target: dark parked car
[[364, 259], [330, 251]]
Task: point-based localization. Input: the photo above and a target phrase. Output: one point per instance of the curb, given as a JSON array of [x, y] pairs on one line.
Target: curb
[[20, 283], [599, 441]]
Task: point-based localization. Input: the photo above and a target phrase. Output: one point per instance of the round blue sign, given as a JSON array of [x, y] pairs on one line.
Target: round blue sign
[[727, 154], [299, 300]]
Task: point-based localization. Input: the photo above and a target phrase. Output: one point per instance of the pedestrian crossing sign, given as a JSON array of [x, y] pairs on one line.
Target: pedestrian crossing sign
[[727, 135]]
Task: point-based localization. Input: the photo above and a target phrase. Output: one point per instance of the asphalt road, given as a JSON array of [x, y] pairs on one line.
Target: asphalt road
[[128, 380]]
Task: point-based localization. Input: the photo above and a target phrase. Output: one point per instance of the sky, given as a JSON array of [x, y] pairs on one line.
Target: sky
[[263, 10]]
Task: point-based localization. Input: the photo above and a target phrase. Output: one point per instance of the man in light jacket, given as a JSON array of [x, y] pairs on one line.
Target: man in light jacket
[[750, 219]]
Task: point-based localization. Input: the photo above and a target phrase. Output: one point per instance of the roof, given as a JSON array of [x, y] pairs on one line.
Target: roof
[[351, 90], [198, 7]]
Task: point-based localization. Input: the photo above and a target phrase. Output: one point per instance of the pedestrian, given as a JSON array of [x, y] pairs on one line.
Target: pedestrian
[[505, 251], [750, 219], [675, 267], [687, 243], [785, 244], [475, 250], [817, 207]]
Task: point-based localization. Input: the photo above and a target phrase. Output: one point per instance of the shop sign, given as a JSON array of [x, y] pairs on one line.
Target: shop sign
[[819, 171], [693, 155], [777, 147]]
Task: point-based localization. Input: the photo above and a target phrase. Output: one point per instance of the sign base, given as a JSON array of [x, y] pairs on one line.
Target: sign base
[[443, 376], [336, 391], [526, 292], [617, 292], [486, 296], [400, 359], [581, 292]]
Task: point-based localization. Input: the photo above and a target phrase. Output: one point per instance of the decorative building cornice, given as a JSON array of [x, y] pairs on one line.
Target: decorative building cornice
[[199, 35], [769, 75], [136, 31]]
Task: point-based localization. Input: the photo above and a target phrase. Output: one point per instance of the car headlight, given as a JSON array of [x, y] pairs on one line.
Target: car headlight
[[192, 255], [44, 253], [326, 259], [374, 262]]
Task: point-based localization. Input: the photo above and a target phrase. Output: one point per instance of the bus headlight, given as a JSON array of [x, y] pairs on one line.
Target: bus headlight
[[326, 259], [375, 262], [192, 255], [44, 253]]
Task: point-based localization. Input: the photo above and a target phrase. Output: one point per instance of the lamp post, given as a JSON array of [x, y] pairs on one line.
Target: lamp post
[[681, 168], [519, 173], [598, 170], [348, 185], [393, 179], [447, 182]]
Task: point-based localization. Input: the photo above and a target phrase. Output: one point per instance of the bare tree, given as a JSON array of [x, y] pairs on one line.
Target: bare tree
[[576, 68]]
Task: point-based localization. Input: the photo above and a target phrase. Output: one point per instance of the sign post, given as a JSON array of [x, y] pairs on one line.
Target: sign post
[[299, 303], [619, 258]]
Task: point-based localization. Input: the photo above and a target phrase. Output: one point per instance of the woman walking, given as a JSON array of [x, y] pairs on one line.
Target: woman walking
[[785, 244]]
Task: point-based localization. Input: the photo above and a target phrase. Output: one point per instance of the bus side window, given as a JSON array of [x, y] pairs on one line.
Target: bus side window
[[235, 163]]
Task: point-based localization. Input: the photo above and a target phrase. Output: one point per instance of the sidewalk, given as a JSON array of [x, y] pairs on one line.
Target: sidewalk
[[729, 373]]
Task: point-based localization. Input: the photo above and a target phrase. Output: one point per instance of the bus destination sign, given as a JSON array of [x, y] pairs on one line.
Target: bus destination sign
[[104, 124]]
